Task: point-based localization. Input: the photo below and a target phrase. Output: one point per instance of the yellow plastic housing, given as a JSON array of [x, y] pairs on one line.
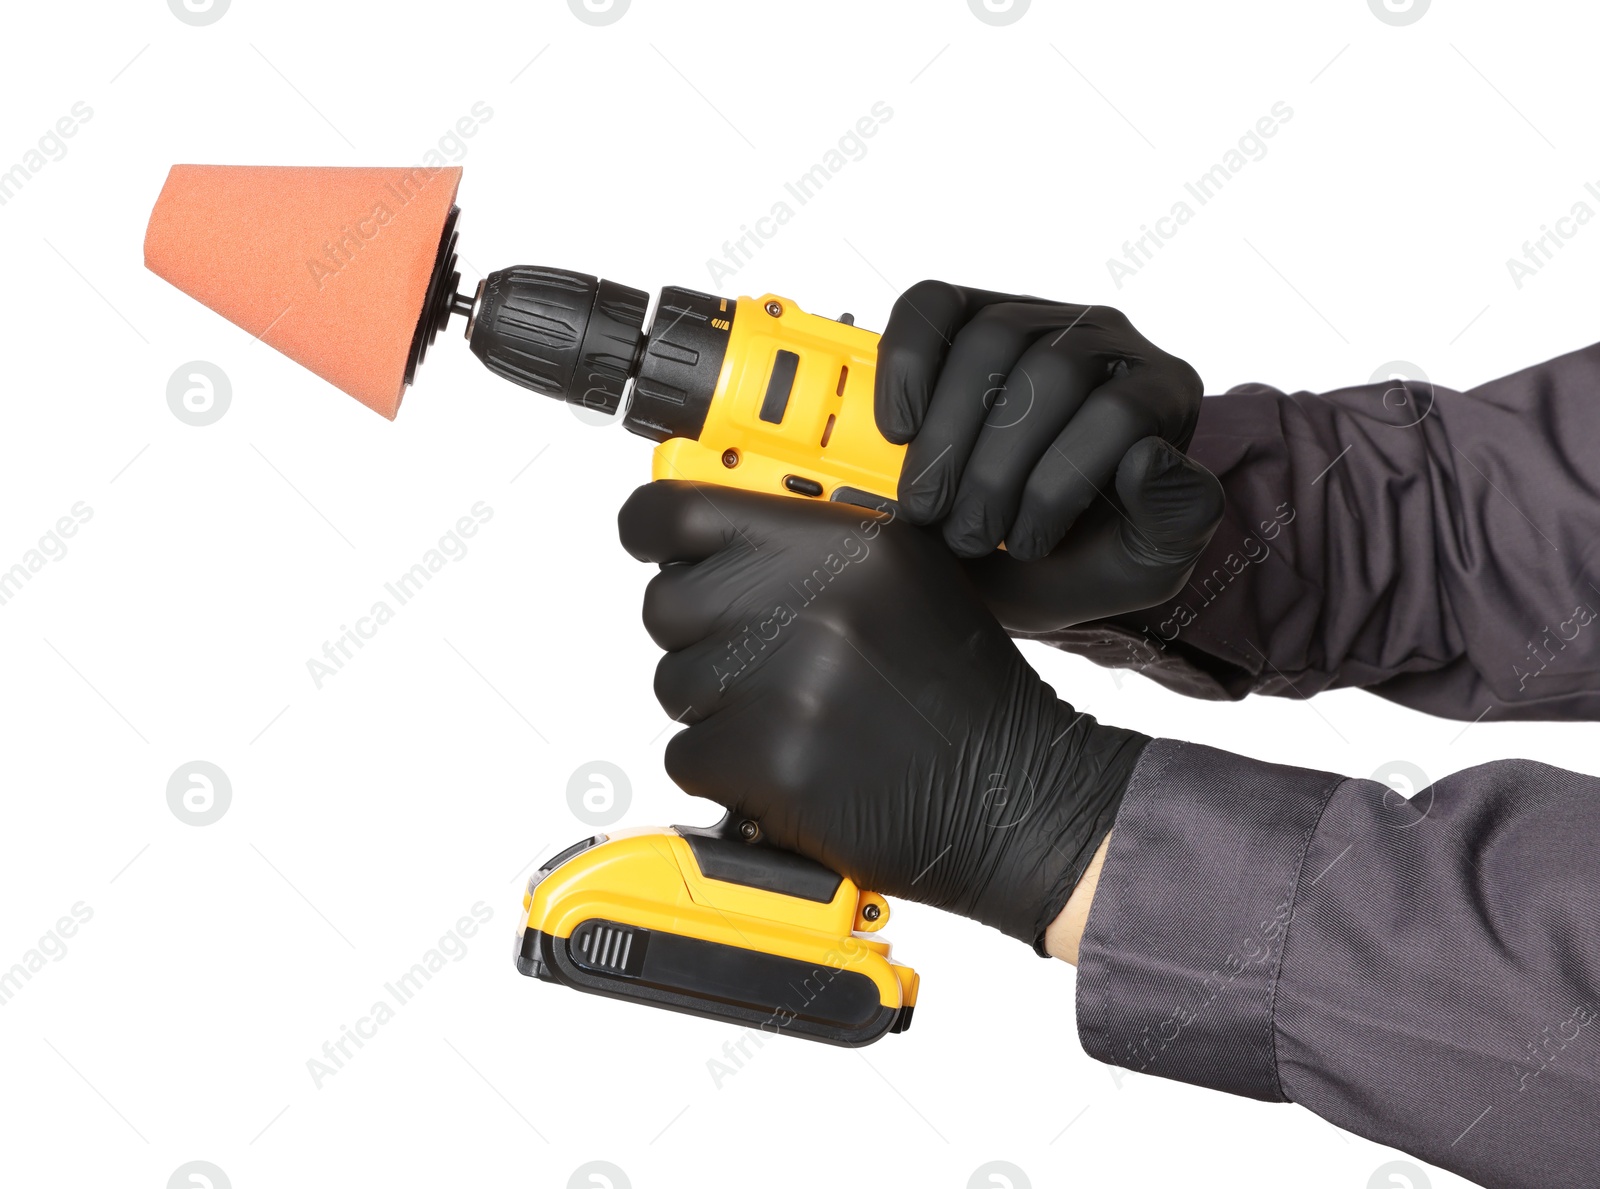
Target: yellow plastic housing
[[828, 434], [649, 878]]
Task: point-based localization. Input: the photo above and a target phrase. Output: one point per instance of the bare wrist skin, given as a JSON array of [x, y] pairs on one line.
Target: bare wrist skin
[[1066, 931]]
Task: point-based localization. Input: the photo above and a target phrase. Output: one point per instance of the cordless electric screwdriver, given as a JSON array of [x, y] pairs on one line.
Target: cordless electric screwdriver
[[352, 272]]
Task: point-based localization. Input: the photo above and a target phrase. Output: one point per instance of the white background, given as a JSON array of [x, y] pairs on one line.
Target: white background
[[368, 816]]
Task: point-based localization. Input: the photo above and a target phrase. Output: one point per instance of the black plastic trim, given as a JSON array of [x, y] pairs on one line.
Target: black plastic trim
[[722, 854], [865, 499], [780, 383], [728, 983]]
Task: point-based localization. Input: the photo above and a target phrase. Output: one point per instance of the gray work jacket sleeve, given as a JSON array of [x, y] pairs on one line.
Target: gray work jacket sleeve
[[1439, 548], [1425, 973]]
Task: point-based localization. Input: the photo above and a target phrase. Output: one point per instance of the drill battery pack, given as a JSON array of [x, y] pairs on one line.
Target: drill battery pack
[[702, 921]]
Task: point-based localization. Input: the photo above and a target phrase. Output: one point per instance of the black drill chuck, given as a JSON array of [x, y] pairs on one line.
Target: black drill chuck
[[564, 334], [581, 339]]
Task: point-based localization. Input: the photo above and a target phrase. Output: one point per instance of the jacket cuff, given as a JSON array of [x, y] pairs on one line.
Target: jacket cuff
[[1180, 957]]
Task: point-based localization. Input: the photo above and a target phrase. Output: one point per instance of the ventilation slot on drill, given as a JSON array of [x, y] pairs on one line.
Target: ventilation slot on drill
[[608, 947]]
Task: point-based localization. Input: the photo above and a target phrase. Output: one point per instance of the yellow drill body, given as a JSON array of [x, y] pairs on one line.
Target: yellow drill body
[[815, 376]]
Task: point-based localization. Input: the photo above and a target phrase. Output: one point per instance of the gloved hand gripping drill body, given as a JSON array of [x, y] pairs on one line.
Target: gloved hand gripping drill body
[[843, 681]]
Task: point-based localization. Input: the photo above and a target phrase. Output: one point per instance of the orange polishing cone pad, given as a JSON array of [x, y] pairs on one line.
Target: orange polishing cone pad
[[330, 266]]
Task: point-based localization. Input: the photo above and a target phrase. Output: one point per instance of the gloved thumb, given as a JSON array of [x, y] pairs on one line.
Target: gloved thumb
[[1122, 555], [1173, 505]]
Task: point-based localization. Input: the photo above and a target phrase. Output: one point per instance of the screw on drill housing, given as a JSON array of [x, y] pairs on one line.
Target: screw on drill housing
[[730, 458], [871, 912], [774, 308], [749, 830]]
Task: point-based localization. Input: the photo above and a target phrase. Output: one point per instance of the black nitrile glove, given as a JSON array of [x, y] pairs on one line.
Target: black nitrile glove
[[1133, 551], [845, 686], [1057, 429]]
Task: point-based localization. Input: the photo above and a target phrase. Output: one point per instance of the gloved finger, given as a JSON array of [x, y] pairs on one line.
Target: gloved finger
[[694, 682], [725, 757], [758, 572], [684, 603], [922, 325], [1043, 391], [676, 520], [690, 682], [985, 351], [1173, 506], [690, 762], [1079, 465]]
